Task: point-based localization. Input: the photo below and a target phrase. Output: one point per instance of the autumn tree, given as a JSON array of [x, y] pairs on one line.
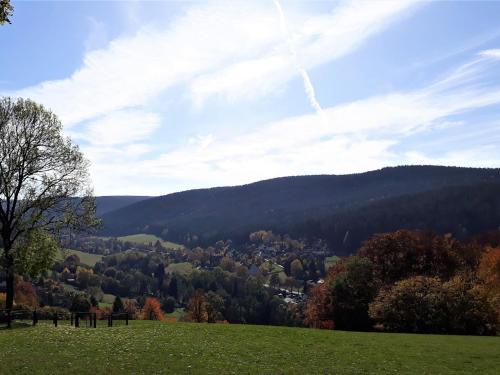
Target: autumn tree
[[489, 269], [130, 307], [25, 293], [6, 10], [44, 184], [152, 309], [318, 312], [427, 305], [404, 253], [197, 307], [489, 274], [227, 264]]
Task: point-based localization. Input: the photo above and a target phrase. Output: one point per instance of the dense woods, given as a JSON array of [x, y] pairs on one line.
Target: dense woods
[[410, 281]]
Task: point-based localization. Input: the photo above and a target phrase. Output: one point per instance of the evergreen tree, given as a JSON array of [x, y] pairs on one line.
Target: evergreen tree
[[118, 305], [172, 288]]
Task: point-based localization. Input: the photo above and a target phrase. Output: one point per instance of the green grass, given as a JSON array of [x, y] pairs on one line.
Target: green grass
[[178, 313], [182, 268], [184, 348], [85, 258], [146, 239], [330, 261]]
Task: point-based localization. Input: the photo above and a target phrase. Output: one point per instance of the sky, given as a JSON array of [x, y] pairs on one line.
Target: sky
[[167, 96]]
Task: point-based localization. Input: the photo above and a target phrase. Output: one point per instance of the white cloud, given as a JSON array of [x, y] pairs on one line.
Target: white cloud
[[354, 137], [495, 53], [230, 49], [316, 40], [120, 127]]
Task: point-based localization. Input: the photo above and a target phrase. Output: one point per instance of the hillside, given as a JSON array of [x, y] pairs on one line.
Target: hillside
[[107, 204], [150, 347], [460, 210], [287, 204]]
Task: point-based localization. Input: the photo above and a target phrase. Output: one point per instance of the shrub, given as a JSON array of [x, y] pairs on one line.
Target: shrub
[[152, 310], [47, 313]]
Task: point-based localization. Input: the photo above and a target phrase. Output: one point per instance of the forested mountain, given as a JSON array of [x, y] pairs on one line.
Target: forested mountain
[[461, 200], [107, 204], [460, 210]]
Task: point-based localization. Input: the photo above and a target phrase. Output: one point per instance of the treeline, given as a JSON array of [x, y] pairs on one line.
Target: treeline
[[411, 281]]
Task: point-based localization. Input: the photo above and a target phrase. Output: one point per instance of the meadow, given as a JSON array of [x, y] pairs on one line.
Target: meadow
[[188, 348], [149, 239], [85, 258]]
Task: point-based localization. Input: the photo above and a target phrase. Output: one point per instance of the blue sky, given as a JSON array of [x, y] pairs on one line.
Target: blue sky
[[167, 96]]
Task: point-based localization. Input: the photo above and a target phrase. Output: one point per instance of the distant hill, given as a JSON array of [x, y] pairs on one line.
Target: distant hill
[[324, 206], [107, 204]]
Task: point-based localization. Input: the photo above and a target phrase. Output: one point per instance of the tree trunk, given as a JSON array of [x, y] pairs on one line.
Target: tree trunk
[[9, 299]]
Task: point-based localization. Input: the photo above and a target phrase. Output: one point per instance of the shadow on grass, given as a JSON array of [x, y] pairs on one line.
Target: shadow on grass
[[16, 325]]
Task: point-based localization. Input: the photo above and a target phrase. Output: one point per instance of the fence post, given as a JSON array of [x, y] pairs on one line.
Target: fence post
[[55, 319], [77, 320], [126, 319], [9, 319], [95, 320], [35, 318], [71, 319]]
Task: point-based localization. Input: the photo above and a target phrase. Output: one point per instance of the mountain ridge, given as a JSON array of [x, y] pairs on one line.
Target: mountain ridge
[[201, 216]]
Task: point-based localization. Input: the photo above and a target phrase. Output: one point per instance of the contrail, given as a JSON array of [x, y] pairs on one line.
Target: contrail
[[308, 86]]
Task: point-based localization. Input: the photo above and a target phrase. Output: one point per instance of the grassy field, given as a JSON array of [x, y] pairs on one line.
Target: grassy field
[[85, 258], [182, 268], [149, 239], [183, 348]]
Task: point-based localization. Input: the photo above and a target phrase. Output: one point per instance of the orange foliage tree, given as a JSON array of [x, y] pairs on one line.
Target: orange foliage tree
[[318, 310], [25, 293], [489, 274], [197, 307], [489, 269], [152, 310]]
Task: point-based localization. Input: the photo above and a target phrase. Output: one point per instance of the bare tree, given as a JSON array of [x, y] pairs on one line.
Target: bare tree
[[44, 182]]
